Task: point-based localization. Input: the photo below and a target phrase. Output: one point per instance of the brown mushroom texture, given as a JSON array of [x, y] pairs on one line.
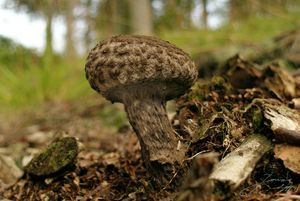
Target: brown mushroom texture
[[128, 60], [144, 72]]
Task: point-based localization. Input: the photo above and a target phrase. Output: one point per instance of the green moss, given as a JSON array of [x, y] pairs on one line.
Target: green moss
[[257, 118], [218, 83], [54, 158], [221, 190], [254, 114], [199, 90]]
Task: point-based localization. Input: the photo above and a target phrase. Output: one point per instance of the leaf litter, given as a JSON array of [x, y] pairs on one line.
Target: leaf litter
[[216, 118]]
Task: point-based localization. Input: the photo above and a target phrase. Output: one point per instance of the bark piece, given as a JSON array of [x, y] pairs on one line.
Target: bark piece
[[232, 170], [290, 155], [285, 122]]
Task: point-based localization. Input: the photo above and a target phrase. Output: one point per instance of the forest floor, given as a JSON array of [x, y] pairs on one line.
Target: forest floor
[[214, 118]]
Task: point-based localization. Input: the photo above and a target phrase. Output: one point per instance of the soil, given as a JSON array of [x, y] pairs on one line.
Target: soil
[[213, 119]]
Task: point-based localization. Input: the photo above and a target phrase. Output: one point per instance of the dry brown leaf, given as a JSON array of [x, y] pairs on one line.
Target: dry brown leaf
[[280, 82], [290, 155]]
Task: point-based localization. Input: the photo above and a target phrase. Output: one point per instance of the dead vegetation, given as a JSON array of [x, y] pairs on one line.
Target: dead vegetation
[[241, 127], [221, 114]]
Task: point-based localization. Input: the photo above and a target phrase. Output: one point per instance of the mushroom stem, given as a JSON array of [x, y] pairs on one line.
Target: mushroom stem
[[150, 122]]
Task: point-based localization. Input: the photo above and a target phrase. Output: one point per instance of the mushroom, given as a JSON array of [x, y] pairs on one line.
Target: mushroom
[[144, 72]]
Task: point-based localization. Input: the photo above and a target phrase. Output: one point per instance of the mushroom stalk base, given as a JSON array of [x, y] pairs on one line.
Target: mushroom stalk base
[[150, 122]]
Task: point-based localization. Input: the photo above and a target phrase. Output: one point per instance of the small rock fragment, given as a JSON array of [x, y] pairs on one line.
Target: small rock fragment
[[9, 171], [40, 137], [58, 155], [296, 103]]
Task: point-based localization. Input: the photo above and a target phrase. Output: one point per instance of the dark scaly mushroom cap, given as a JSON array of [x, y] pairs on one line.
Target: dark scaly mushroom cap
[[122, 62]]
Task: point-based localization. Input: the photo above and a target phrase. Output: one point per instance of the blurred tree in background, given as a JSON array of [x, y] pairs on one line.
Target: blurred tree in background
[[240, 11], [141, 17], [103, 18], [68, 12], [204, 14], [112, 18], [194, 25], [176, 14], [47, 9]]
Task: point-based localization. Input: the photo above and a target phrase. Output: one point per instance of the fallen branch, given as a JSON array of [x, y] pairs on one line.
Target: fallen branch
[[232, 170]]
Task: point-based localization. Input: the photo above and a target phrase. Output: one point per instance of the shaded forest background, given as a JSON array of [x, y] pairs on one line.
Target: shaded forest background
[[29, 78]]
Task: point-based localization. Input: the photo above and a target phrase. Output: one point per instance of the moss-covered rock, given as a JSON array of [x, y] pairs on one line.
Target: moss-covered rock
[[58, 155]]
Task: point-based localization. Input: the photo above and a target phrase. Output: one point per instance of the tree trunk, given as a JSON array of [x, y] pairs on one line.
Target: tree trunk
[[89, 25], [113, 17], [241, 10], [204, 14], [69, 16], [141, 17], [48, 51], [124, 17], [187, 7], [173, 17]]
